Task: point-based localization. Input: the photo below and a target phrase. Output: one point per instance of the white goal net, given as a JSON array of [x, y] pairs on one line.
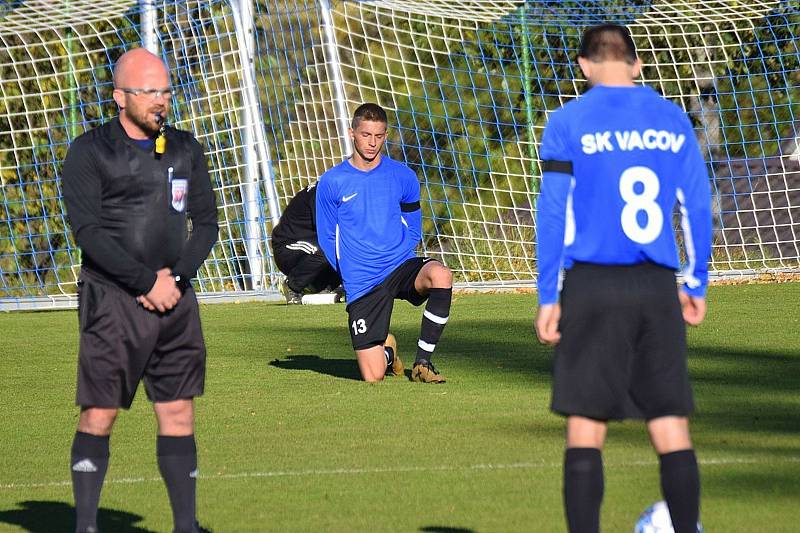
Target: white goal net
[[268, 88]]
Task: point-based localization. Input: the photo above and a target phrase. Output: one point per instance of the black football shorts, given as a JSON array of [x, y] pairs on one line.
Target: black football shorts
[[622, 352], [122, 343], [371, 314]]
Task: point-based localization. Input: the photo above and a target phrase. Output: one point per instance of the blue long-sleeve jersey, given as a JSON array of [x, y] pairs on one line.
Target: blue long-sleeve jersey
[[615, 162], [368, 223]]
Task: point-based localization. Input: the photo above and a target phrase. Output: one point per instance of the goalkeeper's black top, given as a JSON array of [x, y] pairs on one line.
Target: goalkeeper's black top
[[298, 221], [128, 206]]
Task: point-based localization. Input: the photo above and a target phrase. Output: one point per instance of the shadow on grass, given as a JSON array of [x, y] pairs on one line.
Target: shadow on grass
[[339, 368], [743, 389], [54, 517], [443, 529], [778, 482]]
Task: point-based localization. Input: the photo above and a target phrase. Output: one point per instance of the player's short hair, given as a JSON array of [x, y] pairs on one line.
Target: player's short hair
[[608, 42], [370, 112]]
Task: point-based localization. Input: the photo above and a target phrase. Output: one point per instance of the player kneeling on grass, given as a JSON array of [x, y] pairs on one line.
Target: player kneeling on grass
[[369, 224], [297, 253], [615, 163]]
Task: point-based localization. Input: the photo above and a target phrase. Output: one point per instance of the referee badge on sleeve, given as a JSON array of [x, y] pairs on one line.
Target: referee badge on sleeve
[[180, 190]]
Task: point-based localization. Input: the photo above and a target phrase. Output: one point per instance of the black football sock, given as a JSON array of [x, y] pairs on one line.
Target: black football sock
[[388, 353], [89, 465], [583, 489], [434, 319], [177, 461], [680, 485]]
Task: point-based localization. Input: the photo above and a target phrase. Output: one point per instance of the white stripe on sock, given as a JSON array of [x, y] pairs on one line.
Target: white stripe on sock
[[426, 346], [435, 318]]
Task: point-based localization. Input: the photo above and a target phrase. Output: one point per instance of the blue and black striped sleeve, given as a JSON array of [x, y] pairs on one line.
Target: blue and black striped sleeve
[[551, 210], [410, 209]]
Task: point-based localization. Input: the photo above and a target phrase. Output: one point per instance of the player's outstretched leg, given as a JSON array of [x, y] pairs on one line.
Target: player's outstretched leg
[[680, 475], [436, 280]]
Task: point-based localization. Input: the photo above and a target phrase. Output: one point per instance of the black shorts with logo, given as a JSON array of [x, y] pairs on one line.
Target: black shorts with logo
[[622, 352], [122, 343], [371, 314]]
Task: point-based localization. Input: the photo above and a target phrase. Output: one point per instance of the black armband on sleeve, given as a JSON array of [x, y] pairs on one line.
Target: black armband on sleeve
[[562, 167], [409, 207]]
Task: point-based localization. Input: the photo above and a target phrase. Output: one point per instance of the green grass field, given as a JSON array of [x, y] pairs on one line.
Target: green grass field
[[303, 445]]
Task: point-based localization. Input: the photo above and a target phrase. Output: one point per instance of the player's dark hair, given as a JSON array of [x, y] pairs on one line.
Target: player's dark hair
[[370, 112], [608, 42]]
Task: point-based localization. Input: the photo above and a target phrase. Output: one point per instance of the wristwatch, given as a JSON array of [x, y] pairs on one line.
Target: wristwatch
[[180, 282]]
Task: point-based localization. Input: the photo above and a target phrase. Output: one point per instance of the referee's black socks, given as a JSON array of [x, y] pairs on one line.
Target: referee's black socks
[[89, 466], [583, 489], [680, 485], [434, 318], [177, 461]]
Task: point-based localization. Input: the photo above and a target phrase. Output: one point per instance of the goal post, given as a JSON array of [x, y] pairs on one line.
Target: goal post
[[468, 85], [268, 87], [55, 76]]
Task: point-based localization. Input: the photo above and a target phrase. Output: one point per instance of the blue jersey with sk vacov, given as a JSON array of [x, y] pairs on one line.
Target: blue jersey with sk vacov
[[615, 162], [368, 223]]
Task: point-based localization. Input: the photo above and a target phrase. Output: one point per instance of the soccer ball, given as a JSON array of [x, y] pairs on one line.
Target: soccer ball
[[656, 519]]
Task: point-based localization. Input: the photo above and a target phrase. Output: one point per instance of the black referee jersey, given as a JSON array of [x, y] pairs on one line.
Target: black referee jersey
[[298, 221], [128, 207]]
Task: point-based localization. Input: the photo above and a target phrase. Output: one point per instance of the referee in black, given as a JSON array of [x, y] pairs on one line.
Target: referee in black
[[128, 198], [296, 249]]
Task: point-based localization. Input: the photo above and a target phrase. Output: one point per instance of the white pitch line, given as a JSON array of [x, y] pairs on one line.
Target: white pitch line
[[401, 469]]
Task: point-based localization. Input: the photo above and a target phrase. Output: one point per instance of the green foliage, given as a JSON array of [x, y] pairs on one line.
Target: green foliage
[[750, 69], [37, 75], [47, 77], [459, 101]]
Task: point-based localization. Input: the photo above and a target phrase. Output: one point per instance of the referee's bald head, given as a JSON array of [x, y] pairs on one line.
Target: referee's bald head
[[135, 64], [608, 42]]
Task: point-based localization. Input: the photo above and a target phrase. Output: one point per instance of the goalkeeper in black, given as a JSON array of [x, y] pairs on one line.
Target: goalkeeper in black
[[296, 249], [128, 198]]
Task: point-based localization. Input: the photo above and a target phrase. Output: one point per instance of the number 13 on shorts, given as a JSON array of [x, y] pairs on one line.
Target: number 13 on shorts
[[359, 326]]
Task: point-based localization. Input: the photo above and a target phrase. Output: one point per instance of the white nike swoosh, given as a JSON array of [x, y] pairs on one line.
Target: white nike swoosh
[[348, 198]]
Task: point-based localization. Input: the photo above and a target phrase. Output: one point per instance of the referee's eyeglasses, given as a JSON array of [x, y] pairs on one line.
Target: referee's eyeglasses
[[151, 94]]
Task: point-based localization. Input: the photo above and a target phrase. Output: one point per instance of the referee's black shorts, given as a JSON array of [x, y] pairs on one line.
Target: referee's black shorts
[[121, 343], [622, 352]]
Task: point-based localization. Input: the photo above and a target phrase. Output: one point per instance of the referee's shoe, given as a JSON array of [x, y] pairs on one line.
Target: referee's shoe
[[395, 366], [424, 372]]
